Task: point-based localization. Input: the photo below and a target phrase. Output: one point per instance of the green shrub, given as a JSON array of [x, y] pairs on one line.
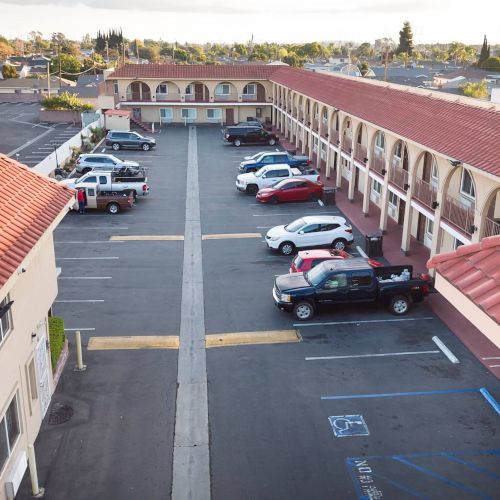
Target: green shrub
[[57, 338], [65, 101], [97, 134]]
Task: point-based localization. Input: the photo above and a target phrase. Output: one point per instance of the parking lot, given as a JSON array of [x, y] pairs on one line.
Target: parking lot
[[357, 404], [27, 140]]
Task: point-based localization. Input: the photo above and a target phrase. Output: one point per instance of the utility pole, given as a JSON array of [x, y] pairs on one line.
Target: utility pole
[[123, 52], [48, 77], [59, 58], [385, 62], [107, 52]]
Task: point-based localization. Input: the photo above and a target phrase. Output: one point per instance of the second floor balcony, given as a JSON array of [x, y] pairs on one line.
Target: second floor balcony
[[460, 214], [425, 193], [398, 176], [377, 164], [360, 153], [347, 144]]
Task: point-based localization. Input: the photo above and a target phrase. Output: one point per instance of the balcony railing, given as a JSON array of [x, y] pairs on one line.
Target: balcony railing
[[137, 96], [192, 98], [360, 153], [225, 97], [347, 144], [377, 163], [249, 97], [459, 214], [334, 137], [398, 176], [491, 228], [167, 97], [424, 192]]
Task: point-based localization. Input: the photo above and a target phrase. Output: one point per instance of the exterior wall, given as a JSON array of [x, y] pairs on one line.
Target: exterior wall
[[50, 116], [33, 293], [116, 122], [486, 325]]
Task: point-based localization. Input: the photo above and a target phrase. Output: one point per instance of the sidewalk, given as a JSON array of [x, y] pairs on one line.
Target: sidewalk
[[470, 336]]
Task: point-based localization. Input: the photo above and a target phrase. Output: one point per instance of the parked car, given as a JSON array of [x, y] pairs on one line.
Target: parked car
[[249, 135], [296, 189], [309, 232], [272, 157], [113, 202], [269, 176], [111, 183], [104, 162], [307, 259], [129, 140], [347, 281], [250, 123]]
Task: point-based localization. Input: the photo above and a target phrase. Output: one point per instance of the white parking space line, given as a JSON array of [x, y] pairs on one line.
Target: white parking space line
[[295, 213], [89, 301], [103, 150], [85, 277], [264, 227], [408, 353], [491, 357], [87, 258], [445, 350], [361, 252], [91, 228], [493, 366], [82, 242], [367, 321]]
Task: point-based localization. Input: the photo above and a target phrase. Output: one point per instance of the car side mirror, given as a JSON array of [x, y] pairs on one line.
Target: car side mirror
[[301, 232]]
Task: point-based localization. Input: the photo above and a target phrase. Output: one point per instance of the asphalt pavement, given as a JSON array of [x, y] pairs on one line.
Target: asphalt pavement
[[361, 405]]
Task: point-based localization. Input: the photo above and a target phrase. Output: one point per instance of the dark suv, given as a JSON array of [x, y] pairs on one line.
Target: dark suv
[[118, 140], [249, 135]]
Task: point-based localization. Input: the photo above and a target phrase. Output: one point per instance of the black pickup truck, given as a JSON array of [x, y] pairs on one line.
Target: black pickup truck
[[337, 282]]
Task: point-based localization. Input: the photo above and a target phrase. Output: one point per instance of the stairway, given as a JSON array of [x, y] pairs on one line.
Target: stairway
[[141, 125]]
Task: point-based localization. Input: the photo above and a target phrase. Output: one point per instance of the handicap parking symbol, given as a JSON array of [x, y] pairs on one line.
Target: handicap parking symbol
[[349, 425]]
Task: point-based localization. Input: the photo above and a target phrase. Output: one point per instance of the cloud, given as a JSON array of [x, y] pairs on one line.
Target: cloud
[[358, 7]]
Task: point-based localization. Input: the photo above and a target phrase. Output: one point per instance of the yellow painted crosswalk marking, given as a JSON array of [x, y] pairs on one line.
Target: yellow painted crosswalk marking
[[228, 236], [249, 338], [148, 237], [134, 342]]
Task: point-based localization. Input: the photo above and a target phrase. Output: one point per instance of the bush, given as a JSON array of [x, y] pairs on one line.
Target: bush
[[57, 338], [97, 134], [65, 101]]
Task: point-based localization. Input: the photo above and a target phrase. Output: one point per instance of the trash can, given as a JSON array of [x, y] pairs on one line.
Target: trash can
[[373, 245], [329, 196]]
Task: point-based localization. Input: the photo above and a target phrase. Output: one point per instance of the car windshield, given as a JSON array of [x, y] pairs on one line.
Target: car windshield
[[294, 226], [78, 180], [280, 184], [138, 135], [316, 275], [260, 172]]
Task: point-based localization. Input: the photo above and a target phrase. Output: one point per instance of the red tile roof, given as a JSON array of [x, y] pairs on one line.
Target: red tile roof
[[475, 271], [459, 131], [195, 72], [29, 203]]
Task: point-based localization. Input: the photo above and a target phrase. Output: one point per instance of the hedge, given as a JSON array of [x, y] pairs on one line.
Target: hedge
[[57, 338]]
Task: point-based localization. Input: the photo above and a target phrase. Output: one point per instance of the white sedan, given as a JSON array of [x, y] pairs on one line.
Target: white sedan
[[309, 232]]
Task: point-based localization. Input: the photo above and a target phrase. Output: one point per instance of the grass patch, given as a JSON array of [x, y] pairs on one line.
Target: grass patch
[[57, 338]]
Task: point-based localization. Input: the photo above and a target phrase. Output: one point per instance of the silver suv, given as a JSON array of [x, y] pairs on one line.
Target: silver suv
[[105, 163]]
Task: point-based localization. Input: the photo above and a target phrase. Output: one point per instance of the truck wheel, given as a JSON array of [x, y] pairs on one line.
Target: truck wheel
[[252, 189], [287, 248], [115, 146], [303, 311], [146, 147], [113, 208], [273, 200], [237, 143], [272, 142], [339, 244], [399, 305]]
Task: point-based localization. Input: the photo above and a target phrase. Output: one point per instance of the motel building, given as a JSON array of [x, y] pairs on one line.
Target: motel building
[[425, 161], [31, 207]]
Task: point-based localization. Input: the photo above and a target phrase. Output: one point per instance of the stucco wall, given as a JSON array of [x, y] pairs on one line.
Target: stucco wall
[[33, 293]]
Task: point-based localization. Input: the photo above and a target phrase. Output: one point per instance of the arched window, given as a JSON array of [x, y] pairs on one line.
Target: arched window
[[467, 184]]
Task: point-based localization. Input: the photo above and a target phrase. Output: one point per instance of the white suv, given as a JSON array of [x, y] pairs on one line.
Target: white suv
[[103, 162], [309, 232]]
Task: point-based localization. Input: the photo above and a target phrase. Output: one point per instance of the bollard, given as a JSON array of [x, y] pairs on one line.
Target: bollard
[[80, 367], [35, 488]]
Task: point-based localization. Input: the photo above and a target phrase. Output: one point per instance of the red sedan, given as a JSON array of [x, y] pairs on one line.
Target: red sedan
[[296, 189], [307, 259]]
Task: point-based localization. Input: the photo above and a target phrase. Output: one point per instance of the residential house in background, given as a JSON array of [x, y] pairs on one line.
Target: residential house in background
[[87, 88], [31, 207]]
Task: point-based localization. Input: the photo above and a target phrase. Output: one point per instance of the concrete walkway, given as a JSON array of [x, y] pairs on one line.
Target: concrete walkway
[[191, 466]]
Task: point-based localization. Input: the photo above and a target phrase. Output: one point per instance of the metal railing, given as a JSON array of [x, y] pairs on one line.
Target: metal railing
[[225, 97], [398, 176], [459, 214], [424, 192], [377, 163], [491, 228], [360, 153], [137, 96], [334, 137], [347, 144]]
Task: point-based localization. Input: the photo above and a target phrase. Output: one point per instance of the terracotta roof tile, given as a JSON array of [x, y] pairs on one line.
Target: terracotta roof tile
[[29, 203], [459, 131], [476, 274], [195, 72]]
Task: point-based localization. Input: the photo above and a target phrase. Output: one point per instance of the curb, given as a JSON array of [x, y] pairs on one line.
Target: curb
[[61, 363]]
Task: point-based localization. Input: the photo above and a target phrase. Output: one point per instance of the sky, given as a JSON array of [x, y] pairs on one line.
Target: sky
[[285, 21]]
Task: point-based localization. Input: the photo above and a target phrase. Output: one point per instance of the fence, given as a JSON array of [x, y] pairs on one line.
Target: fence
[[63, 153]]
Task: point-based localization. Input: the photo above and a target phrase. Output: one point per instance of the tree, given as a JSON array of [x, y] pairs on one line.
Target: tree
[[405, 39], [9, 71], [485, 52], [5, 50], [294, 60], [180, 55], [69, 66], [491, 64], [36, 38], [478, 90], [152, 54], [364, 68], [365, 50], [65, 101]]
